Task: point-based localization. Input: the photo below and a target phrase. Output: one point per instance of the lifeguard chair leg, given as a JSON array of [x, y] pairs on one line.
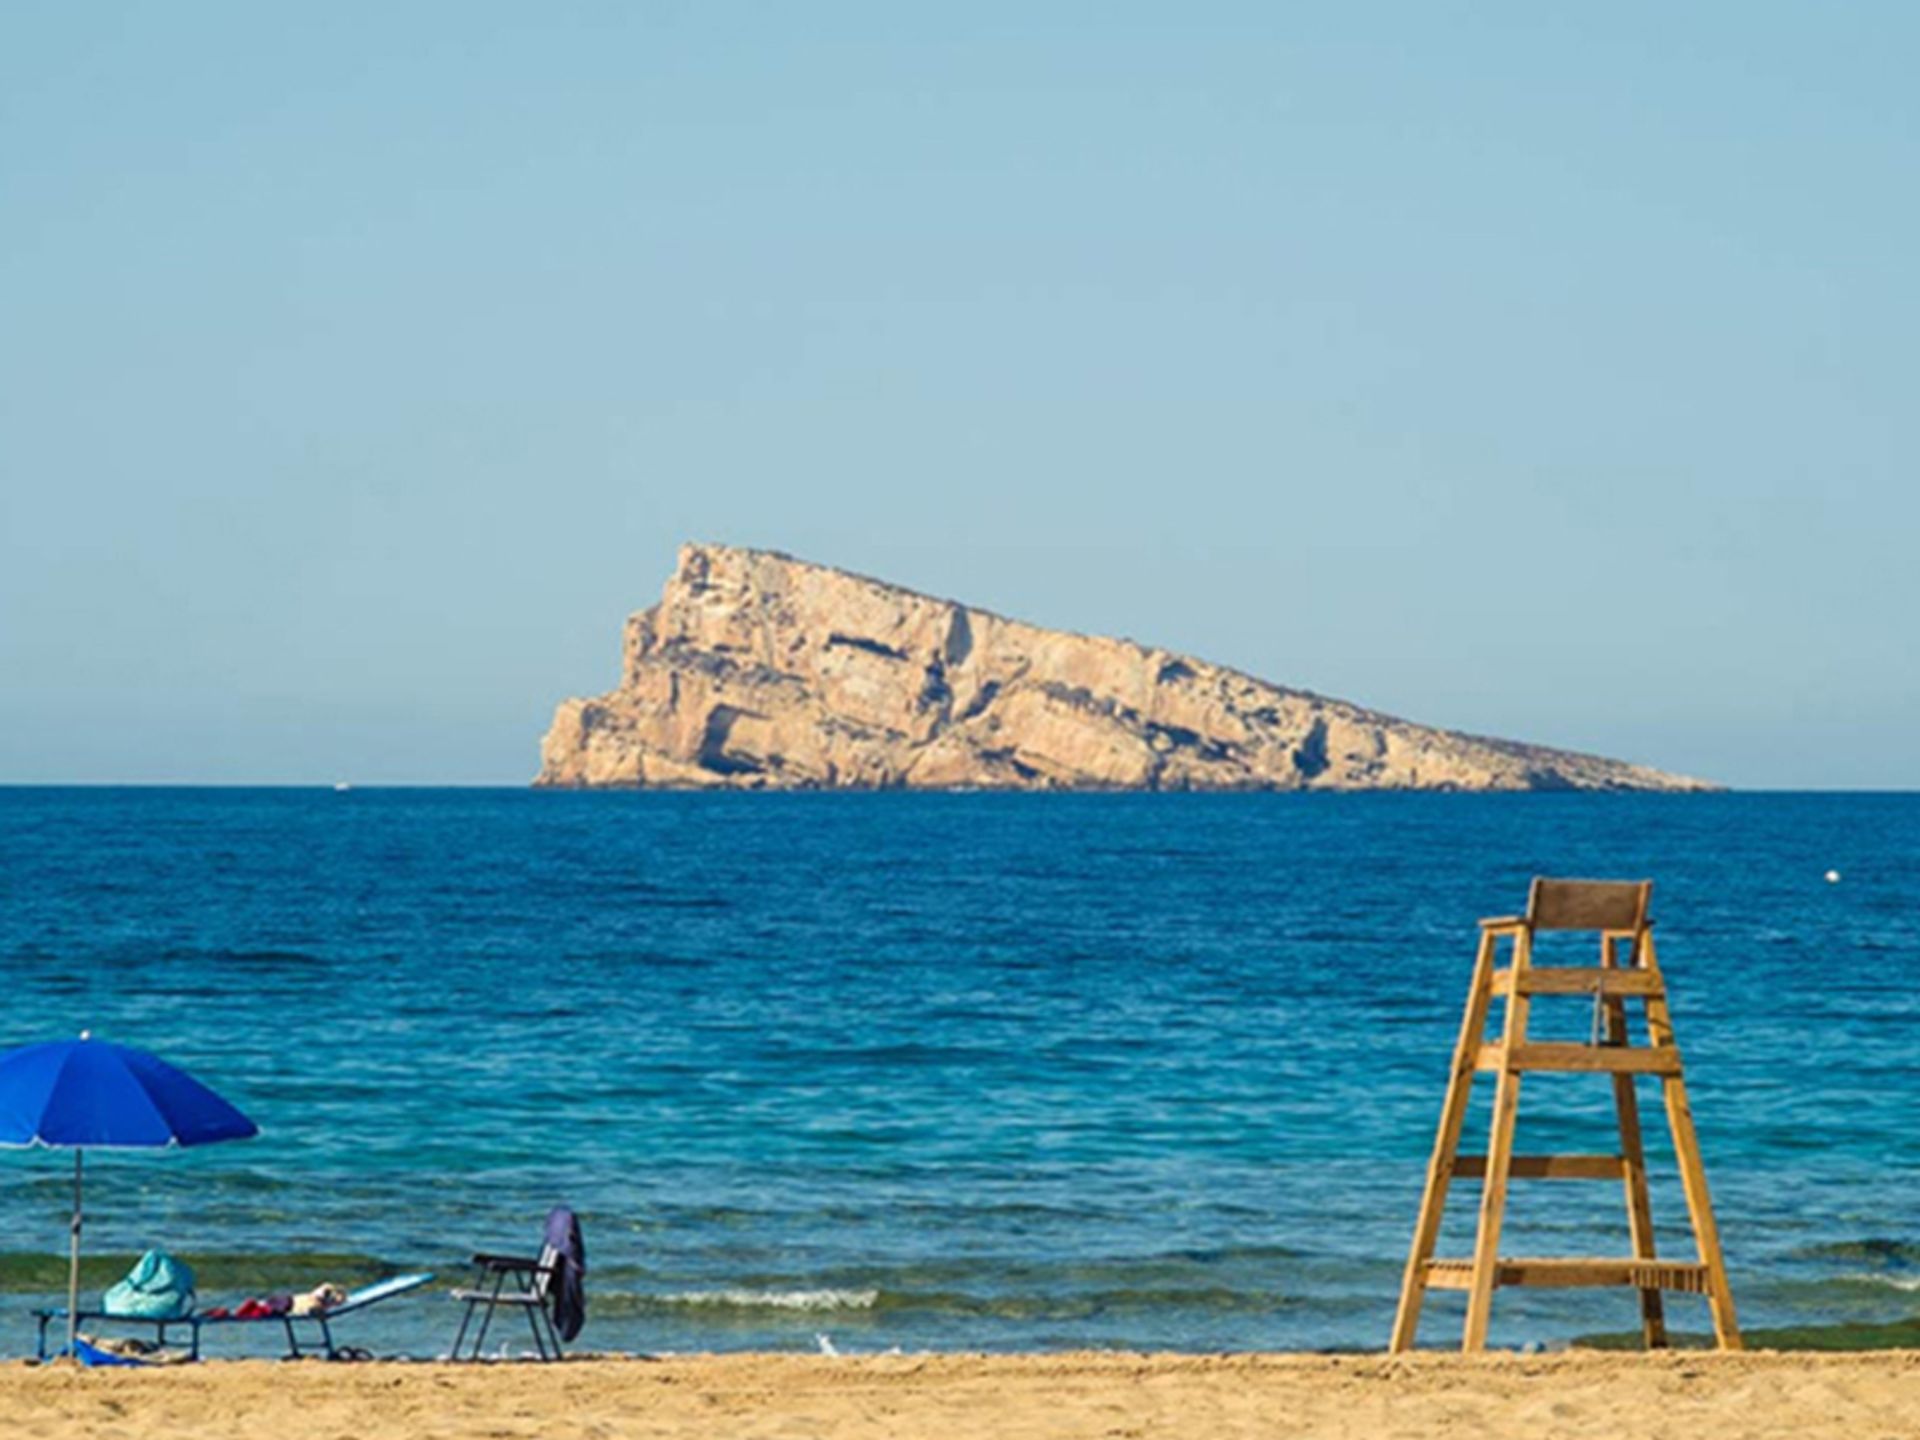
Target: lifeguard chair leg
[[1626, 1104], [1493, 1194], [1693, 1173], [1446, 1145]]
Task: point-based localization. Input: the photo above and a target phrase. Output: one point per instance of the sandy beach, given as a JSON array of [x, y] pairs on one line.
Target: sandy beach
[[1696, 1396]]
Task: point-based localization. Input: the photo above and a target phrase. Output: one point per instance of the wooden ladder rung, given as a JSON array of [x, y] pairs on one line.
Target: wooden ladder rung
[[1609, 1059], [1547, 1167], [1567, 1274], [1579, 980]]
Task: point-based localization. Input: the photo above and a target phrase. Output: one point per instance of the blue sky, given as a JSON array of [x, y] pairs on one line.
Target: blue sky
[[1539, 374]]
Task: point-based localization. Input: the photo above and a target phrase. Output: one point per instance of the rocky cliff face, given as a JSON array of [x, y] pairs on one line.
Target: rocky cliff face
[[757, 670]]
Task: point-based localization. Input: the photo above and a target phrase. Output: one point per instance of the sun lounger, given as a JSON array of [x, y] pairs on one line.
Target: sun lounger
[[161, 1329], [321, 1321]]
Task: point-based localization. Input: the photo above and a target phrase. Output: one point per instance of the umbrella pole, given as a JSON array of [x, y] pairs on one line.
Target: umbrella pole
[[73, 1267]]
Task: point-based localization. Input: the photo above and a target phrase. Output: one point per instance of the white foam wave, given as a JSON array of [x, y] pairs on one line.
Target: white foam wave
[[1897, 1282], [777, 1299]]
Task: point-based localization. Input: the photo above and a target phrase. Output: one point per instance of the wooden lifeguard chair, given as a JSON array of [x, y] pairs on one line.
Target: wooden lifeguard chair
[[1617, 911]]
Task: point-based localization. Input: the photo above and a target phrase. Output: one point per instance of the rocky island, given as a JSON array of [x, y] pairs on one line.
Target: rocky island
[[757, 670]]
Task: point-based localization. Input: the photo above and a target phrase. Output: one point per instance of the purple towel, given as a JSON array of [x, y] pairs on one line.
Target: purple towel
[[567, 1290]]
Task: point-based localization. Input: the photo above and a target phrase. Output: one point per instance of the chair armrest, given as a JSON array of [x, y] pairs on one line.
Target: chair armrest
[[1504, 922], [506, 1262]]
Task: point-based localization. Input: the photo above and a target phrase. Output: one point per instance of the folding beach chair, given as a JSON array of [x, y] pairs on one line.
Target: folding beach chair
[[546, 1288]]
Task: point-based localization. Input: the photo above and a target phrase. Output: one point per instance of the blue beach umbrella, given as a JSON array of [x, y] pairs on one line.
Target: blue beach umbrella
[[85, 1095]]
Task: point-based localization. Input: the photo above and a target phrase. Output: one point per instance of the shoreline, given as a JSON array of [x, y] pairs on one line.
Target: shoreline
[[1704, 1396]]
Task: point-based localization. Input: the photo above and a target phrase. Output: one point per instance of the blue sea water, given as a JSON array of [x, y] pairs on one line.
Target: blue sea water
[[945, 1071]]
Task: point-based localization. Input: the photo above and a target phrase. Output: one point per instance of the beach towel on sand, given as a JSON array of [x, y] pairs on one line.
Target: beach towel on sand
[[158, 1287], [88, 1353]]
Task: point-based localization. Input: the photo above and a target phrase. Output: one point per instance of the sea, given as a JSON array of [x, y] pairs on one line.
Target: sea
[[985, 1072]]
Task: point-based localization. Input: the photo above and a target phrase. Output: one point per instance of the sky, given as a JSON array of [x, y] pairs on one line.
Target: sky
[[1539, 371]]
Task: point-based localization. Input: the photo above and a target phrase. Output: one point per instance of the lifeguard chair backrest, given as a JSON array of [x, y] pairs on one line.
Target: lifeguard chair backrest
[[1588, 904]]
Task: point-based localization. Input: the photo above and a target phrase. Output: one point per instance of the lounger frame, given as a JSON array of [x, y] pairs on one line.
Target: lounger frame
[[322, 1322]]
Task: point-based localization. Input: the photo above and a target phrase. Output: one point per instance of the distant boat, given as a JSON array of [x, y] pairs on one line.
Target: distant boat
[[340, 787]]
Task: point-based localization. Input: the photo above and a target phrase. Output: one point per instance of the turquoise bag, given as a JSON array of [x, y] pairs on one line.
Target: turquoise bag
[[158, 1287]]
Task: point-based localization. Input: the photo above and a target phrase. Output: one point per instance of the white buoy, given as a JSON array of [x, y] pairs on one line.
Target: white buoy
[[1833, 877]]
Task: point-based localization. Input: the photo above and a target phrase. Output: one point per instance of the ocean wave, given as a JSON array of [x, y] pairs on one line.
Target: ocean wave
[[1884, 1281], [260, 958], [1187, 1269], [773, 1299], [742, 1303], [28, 1273], [1874, 1250]]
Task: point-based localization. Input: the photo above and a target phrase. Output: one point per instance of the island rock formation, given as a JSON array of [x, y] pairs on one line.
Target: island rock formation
[[756, 670]]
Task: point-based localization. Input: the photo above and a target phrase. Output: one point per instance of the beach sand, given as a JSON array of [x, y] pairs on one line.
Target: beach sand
[[1686, 1396]]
